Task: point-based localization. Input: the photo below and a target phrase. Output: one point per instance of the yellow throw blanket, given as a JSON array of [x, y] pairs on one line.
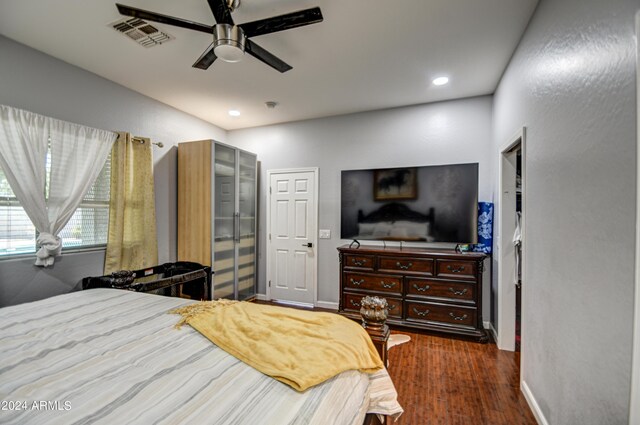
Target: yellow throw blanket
[[299, 348]]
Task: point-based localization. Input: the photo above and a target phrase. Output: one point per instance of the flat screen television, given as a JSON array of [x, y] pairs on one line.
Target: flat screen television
[[437, 203]]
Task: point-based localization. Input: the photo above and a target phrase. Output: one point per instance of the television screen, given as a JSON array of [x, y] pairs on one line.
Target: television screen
[[436, 203]]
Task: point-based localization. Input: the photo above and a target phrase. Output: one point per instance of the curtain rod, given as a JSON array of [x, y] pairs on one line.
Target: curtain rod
[[158, 144]]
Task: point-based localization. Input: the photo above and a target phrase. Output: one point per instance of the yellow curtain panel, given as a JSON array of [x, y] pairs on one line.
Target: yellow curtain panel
[[132, 243]]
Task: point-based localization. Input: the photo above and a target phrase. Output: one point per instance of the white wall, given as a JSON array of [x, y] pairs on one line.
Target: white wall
[[438, 133], [39, 83], [571, 82]]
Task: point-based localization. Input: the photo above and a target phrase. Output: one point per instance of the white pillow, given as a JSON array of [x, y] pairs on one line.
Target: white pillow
[[411, 229], [366, 229], [399, 232], [382, 229]]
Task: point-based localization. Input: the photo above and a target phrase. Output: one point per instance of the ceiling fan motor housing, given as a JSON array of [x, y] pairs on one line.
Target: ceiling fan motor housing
[[228, 42]]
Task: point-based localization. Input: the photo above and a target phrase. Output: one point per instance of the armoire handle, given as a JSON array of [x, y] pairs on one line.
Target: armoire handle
[[236, 225]]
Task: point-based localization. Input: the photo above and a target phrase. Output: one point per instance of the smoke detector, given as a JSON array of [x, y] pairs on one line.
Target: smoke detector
[[141, 32]]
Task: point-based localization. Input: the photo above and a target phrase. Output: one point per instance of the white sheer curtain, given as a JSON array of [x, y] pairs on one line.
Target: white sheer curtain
[[78, 153]]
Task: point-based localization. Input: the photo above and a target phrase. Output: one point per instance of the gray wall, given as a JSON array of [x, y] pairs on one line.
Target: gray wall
[[571, 82], [438, 133], [39, 83]]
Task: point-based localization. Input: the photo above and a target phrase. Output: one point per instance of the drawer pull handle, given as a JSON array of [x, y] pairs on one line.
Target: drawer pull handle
[[424, 288], [458, 318], [355, 304], [455, 269], [391, 307], [464, 291], [421, 313], [387, 285], [357, 282], [359, 262], [404, 266]]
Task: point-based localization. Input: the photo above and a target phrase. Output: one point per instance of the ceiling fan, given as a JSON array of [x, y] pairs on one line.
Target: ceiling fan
[[231, 41]]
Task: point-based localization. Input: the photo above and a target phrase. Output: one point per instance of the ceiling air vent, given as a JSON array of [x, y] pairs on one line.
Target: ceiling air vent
[[141, 32]]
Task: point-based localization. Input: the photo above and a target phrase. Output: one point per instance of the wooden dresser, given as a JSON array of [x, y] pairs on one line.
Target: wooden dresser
[[430, 289]]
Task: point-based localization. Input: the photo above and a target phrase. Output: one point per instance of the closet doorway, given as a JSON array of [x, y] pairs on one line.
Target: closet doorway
[[511, 251]]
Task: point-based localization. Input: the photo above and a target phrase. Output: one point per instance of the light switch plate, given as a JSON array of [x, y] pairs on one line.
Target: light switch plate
[[325, 234]]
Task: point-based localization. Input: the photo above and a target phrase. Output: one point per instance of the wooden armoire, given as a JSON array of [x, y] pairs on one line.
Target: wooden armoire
[[217, 206]]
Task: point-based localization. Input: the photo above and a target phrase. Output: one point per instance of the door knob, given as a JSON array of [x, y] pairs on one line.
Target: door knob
[[308, 245]]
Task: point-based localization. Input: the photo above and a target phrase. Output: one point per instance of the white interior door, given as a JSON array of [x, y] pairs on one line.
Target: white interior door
[[292, 236]]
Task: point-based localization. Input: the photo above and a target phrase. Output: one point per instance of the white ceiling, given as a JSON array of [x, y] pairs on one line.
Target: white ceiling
[[365, 55]]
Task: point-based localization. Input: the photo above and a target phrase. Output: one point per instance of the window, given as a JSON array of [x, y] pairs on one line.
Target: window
[[87, 227]]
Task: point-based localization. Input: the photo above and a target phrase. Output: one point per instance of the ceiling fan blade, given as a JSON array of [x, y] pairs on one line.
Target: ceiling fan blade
[[163, 19], [221, 11], [282, 22], [207, 58], [261, 54]]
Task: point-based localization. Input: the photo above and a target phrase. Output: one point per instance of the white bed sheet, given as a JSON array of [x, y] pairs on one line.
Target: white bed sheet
[[110, 356]]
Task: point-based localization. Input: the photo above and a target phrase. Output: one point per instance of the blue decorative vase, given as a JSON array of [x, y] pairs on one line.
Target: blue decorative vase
[[485, 228]]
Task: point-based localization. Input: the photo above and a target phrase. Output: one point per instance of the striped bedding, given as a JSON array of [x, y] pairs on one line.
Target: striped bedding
[[109, 356]]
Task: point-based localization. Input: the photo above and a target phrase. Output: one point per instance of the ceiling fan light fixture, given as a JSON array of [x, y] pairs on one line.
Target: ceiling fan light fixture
[[228, 42]]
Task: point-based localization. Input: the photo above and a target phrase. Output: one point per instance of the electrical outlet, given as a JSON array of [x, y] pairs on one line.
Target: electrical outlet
[[325, 234]]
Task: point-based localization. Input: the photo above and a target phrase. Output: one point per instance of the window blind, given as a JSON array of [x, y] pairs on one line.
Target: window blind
[[87, 227]]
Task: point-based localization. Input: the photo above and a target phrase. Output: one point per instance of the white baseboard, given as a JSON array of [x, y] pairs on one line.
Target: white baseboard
[[293, 303], [322, 304], [327, 304], [533, 404], [494, 332]]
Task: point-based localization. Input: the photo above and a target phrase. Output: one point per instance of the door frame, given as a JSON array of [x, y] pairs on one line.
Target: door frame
[[316, 174], [634, 409], [506, 304]]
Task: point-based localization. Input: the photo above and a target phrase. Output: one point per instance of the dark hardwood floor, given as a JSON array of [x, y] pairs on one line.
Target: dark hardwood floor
[[447, 381], [442, 381]]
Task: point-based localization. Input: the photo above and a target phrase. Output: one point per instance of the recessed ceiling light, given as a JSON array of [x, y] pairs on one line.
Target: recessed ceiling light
[[234, 112], [440, 81]]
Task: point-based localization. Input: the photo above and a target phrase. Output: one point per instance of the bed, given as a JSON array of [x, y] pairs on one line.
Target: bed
[[396, 222], [113, 356]]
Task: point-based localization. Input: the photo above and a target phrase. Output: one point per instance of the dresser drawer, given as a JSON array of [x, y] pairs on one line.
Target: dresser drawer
[[406, 265], [351, 302], [442, 313], [373, 282], [459, 292], [456, 269], [364, 262]]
